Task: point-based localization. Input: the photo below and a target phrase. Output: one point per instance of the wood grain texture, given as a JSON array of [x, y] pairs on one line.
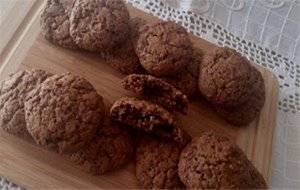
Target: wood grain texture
[[35, 168]]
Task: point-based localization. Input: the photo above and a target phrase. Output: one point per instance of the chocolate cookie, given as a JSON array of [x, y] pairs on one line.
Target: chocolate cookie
[[55, 23], [135, 25], [13, 92], [156, 90], [187, 80], [64, 112], [257, 180], [156, 164], [163, 48], [248, 111], [124, 59], [213, 162], [111, 148], [186, 83], [99, 25], [225, 78], [149, 117]]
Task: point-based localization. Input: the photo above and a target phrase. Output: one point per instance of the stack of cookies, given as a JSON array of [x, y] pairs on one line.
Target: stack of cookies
[[164, 158], [162, 49], [159, 136], [234, 87], [63, 113]]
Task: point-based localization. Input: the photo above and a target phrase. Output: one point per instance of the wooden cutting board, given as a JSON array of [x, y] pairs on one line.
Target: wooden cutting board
[[32, 167]]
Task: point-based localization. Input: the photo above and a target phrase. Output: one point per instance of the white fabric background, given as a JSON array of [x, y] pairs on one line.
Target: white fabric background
[[271, 23]]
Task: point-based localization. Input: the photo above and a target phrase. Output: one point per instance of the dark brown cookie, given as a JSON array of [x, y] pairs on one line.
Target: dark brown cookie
[[64, 112], [156, 164], [158, 91], [213, 162], [187, 80], [55, 23], [13, 92], [186, 83], [149, 117], [124, 59], [110, 149], [257, 180], [99, 25], [68, 5], [225, 78], [135, 25], [163, 48], [248, 111]]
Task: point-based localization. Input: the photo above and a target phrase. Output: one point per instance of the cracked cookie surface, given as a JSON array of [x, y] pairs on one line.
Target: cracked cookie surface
[[213, 162], [225, 78], [147, 116], [123, 57], [156, 90], [187, 80], [111, 148], [164, 48], [248, 111], [156, 163], [99, 25], [63, 113], [55, 23], [13, 92]]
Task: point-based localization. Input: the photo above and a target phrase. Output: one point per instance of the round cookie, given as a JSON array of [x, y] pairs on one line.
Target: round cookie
[[213, 162], [135, 25], [164, 48], [64, 112], [13, 92], [156, 163], [99, 25], [187, 81], [225, 78], [124, 59], [111, 148], [248, 111], [55, 23], [149, 117], [257, 180]]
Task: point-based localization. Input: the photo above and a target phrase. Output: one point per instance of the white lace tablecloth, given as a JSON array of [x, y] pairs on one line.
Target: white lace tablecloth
[[268, 33]]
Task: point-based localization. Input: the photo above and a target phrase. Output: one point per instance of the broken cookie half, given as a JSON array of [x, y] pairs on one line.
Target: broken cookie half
[[149, 117], [158, 91]]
